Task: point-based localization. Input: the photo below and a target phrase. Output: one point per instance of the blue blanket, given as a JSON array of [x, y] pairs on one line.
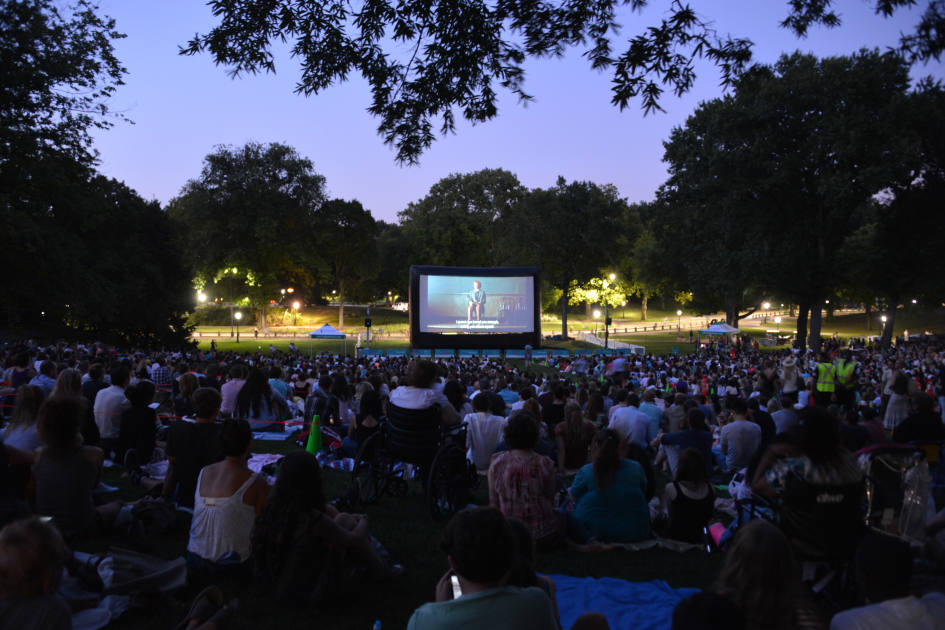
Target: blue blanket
[[636, 605]]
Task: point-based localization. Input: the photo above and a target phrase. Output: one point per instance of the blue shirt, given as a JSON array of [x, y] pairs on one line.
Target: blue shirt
[[619, 513]]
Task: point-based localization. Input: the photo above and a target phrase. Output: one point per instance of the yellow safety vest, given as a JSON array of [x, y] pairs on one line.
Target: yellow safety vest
[[826, 376], [845, 370]]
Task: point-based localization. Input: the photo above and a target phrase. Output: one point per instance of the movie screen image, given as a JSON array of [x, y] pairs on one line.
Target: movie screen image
[[476, 304]]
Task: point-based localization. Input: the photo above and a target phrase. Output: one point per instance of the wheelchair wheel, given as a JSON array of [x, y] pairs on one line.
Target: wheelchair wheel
[[370, 472], [448, 482]]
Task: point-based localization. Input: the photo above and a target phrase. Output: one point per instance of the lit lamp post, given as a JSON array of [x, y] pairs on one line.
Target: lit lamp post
[[201, 297], [612, 277], [295, 318], [777, 320], [596, 314], [238, 315], [678, 320], [883, 319], [766, 306]]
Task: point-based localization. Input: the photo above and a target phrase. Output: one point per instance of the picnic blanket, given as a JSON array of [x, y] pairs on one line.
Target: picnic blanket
[[636, 605]]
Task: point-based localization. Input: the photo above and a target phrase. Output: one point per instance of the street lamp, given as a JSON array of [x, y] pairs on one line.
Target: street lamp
[[766, 306], [678, 320], [238, 315], [295, 307], [777, 320]]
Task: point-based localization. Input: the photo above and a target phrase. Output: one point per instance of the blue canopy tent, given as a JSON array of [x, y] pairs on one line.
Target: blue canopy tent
[[327, 332]]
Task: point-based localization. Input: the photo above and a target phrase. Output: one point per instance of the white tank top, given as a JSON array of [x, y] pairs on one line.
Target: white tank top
[[222, 524]]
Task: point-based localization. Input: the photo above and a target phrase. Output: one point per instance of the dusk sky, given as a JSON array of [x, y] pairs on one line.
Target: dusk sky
[[182, 107]]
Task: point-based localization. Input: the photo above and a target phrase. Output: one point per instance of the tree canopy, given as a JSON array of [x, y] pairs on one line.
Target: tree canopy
[[253, 210], [765, 183], [424, 61], [458, 222]]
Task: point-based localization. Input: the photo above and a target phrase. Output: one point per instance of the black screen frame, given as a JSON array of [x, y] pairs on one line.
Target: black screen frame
[[466, 341]]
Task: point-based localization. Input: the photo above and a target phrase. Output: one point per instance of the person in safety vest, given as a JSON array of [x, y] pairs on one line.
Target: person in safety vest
[[825, 375], [846, 379]]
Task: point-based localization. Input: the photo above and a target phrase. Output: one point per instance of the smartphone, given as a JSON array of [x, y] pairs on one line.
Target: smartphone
[[457, 591]]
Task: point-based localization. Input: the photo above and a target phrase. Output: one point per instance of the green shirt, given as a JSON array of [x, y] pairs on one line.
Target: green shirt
[[503, 608]]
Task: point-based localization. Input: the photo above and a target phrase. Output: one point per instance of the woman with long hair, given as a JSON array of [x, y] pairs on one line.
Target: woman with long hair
[[69, 383], [365, 424], [611, 493], [573, 437], [594, 411], [761, 576], [22, 432], [307, 550], [456, 394], [256, 402], [689, 500], [187, 384], [65, 472]]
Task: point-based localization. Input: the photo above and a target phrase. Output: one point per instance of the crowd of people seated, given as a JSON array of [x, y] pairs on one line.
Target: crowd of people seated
[[591, 455]]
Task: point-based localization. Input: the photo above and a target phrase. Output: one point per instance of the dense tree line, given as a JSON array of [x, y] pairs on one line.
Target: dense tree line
[[813, 178]]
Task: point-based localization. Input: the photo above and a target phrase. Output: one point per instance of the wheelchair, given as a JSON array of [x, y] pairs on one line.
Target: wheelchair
[[414, 440]]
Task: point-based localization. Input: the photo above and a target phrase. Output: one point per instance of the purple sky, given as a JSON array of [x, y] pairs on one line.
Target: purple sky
[[183, 107]]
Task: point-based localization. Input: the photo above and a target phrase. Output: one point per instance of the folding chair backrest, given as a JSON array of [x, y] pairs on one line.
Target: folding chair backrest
[[822, 521], [413, 434]]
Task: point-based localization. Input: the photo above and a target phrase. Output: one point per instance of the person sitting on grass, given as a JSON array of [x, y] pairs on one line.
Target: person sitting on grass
[[573, 437], [480, 548], [22, 431], [138, 432], [305, 549], [689, 500], [257, 403], [693, 434], [65, 472], [365, 424], [522, 482], [761, 576], [229, 497], [883, 570], [611, 494], [69, 383], [32, 554], [191, 446], [483, 432]]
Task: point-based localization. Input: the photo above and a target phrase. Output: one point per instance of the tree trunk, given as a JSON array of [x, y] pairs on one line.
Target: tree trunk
[[890, 324], [646, 299], [791, 311], [564, 314], [816, 319], [869, 320], [341, 304], [264, 313], [731, 313], [803, 308], [587, 309]]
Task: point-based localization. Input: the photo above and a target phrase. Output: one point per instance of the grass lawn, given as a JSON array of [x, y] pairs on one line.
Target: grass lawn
[[405, 527]]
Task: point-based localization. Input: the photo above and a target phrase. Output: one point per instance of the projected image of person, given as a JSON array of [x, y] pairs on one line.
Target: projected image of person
[[476, 301]]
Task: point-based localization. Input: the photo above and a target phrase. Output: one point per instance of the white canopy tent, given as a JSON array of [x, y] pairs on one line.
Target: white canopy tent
[[719, 329], [327, 332]]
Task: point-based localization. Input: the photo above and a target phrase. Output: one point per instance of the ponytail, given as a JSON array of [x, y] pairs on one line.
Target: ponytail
[[608, 457]]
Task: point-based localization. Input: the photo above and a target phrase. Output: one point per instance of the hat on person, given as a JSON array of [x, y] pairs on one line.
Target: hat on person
[[788, 362]]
